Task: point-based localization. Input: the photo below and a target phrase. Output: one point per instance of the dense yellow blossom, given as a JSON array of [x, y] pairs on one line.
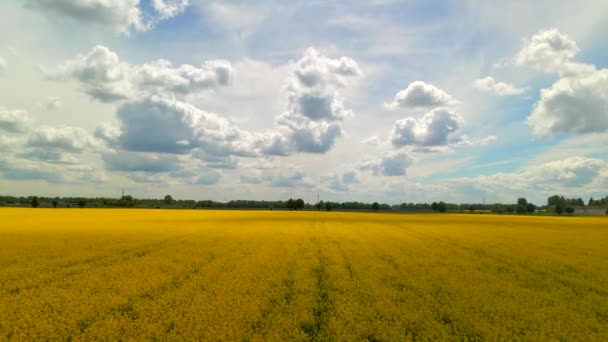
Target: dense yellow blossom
[[81, 274]]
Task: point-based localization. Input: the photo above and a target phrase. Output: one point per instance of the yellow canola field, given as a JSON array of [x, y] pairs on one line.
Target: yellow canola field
[[110, 274]]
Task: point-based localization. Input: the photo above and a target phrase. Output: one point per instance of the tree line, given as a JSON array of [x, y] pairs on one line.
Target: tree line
[[555, 204]]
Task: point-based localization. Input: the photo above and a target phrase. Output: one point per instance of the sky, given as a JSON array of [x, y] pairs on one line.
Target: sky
[[380, 100]]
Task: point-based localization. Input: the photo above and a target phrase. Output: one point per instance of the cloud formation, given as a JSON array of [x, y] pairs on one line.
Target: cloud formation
[[575, 103], [572, 105], [104, 77], [312, 122], [432, 129], [122, 16], [421, 95], [551, 51], [489, 84], [14, 120], [68, 139]]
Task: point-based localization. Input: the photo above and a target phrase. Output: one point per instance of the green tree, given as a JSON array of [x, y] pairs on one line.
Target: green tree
[[169, 200], [55, 203], [530, 208], [435, 206], [35, 202], [328, 206], [569, 210], [375, 206], [559, 209], [320, 205], [299, 204], [82, 203], [442, 207]]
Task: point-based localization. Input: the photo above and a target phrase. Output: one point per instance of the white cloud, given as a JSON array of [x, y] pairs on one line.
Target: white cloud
[[312, 122], [53, 103], [49, 155], [571, 176], [14, 120], [169, 8], [433, 129], [572, 105], [68, 139], [551, 51], [162, 125], [53, 172], [143, 162], [104, 77], [121, 16], [3, 66], [575, 103], [421, 95], [489, 84], [392, 163], [209, 177], [344, 182]]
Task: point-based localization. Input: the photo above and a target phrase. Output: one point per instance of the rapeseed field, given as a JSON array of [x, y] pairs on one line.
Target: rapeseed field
[[82, 274]]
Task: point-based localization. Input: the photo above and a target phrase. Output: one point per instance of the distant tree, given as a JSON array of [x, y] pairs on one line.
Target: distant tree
[[35, 202], [590, 201], [55, 203], [328, 206], [435, 206], [82, 203], [126, 201], [320, 205], [375, 206], [559, 209], [299, 204], [522, 201], [530, 208], [169, 200], [442, 207], [569, 210]]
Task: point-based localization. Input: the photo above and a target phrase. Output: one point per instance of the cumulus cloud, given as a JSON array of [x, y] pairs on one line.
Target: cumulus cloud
[[551, 51], [421, 95], [312, 122], [144, 162], [14, 120], [3, 66], [68, 139], [157, 124], [570, 176], [209, 177], [104, 77], [342, 182], [34, 170], [392, 163], [52, 103], [122, 16], [49, 155], [432, 129], [572, 105], [489, 84], [575, 103]]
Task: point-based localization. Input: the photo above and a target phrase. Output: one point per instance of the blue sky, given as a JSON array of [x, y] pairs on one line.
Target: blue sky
[[379, 100]]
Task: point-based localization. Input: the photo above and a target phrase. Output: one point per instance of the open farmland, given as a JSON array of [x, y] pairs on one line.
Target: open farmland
[[271, 275]]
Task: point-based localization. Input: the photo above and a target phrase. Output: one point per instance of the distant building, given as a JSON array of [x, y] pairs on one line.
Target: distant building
[[590, 210]]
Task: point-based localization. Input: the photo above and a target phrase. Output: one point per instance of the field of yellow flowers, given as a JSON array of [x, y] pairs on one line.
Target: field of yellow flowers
[[81, 274]]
